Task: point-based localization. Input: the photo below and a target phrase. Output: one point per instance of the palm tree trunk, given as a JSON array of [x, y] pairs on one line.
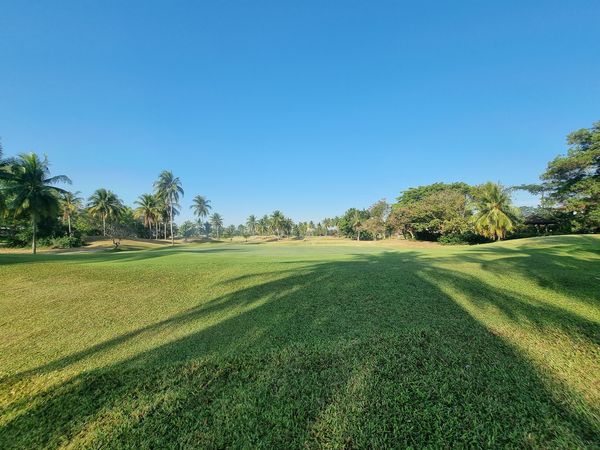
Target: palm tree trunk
[[69, 222], [34, 229], [104, 225], [358, 236], [171, 217]]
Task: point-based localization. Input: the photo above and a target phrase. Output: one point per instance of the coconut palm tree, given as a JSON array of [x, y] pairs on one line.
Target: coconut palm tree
[[201, 207], [216, 221], [168, 187], [262, 225], [495, 215], [105, 204], [251, 224], [70, 204], [357, 223], [31, 190], [147, 211], [277, 222]]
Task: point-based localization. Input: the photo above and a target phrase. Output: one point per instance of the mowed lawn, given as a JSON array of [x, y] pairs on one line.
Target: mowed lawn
[[299, 345]]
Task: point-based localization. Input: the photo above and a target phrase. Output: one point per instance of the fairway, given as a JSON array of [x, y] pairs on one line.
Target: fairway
[[289, 345]]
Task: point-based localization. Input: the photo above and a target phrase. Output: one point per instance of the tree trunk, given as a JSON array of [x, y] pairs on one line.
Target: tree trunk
[[358, 236], [33, 241], [69, 222], [104, 225], [171, 217]]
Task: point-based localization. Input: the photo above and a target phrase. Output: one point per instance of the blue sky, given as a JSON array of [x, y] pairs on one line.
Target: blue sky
[[310, 107]]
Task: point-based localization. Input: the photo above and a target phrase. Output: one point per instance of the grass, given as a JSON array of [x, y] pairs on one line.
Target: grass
[[289, 345]]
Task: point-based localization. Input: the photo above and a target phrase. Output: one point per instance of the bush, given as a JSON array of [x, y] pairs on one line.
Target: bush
[[462, 239], [66, 242]]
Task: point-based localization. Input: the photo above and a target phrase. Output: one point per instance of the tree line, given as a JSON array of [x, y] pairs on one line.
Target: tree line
[[35, 208]]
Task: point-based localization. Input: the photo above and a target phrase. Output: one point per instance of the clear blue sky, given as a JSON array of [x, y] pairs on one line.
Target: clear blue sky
[[308, 107]]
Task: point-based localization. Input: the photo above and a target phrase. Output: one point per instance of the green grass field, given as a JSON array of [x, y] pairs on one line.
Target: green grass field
[[277, 345]]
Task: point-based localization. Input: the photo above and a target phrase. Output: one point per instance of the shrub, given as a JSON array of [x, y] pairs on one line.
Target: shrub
[[66, 242], [467, 238]]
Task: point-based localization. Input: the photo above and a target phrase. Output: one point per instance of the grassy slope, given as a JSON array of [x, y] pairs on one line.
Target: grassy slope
[[297, 345]]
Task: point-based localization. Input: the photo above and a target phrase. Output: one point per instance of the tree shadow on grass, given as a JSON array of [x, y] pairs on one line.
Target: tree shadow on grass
[[369, 352], [571, 268], [110, 256]]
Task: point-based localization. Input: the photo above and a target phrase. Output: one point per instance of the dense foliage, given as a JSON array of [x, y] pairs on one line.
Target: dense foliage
[[32, 206]]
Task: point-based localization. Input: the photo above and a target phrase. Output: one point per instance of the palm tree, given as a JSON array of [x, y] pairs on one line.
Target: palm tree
[[357, 223], [168, 187], [201, 207], [263, 225], [216, 221], [106, 205], [147, 210], [30, 188], [277, 222], [495, 214], [70, 203], [251, 224]]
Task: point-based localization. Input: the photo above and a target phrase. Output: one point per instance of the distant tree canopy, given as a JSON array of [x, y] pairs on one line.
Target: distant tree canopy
[[33, 208]]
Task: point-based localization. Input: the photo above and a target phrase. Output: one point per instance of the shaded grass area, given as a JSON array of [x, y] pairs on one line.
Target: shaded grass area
[[336, 346]]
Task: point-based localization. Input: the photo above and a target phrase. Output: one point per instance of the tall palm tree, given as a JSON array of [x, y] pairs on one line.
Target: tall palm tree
[[251, 224], [216, 221], [277, 222], [263, 225], [31, 190], [168, 187], [147, 210], [105, 204], [70, 204], [495, 215], [201, 207]]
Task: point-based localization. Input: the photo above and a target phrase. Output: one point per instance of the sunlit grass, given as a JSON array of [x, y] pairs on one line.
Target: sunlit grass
[[293, 344]]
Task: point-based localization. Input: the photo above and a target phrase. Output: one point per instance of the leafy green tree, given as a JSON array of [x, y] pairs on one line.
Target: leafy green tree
[[378, 214], [70, 204], [216, 222], [168, 188], [31, 192], [229, 232], [417, 194], [351, 224], [432, 211], [207, 228], [573, 180], [188, 229], [201, 207], [105, 205], [494, 213], [251, 224]]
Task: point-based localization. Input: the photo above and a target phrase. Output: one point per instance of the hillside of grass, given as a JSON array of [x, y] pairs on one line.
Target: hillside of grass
[[336, 345]]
